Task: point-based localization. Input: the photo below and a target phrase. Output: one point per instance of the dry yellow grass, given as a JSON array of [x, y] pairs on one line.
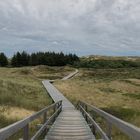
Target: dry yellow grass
[[115, 91], [108, 94], [15, 113], [100, 94], [46, 72], [22, 93]]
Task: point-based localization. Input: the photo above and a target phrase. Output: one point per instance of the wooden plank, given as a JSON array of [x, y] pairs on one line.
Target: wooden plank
[[70, 127], [57, 95], [69, 138], [70, 75]]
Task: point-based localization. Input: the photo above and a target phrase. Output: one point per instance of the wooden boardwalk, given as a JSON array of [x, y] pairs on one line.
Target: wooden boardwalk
[[70, 75], [56, 95], [70, 124]]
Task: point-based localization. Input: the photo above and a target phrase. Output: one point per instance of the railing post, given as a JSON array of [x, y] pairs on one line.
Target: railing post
[[93, 128], [55, 108], [109, 129], [86, 109], [60, 106], [78, 105], [82, 107], [44, 117], [26, 132], [44, 120]]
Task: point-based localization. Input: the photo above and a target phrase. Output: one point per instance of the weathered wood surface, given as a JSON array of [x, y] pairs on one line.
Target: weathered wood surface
[[70, 125], [70, 75], [57, 95]]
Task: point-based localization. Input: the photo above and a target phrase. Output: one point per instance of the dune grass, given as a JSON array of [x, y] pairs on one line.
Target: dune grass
[[114, 90], [22, 93], [109, 90]]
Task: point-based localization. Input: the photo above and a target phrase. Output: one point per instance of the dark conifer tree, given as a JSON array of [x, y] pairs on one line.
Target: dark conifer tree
[[19, 60], [33, 60], [41, 58], [3, 60], [24, 59], [14, 61]]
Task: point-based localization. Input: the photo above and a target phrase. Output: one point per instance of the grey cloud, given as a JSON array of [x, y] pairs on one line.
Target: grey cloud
[[82, 26]]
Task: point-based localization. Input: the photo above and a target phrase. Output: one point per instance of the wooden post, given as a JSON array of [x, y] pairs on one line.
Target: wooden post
[[86, 109], [44, 117], [26, 132], [44, 121], [55, 108], [93, 128], [59, 105], [109, 129]]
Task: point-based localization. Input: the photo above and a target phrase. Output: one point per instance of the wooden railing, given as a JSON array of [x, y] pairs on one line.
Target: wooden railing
[[130, 130], [24, 124]]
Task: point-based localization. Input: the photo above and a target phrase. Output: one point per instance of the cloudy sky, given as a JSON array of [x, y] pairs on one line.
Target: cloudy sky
[[105, 27]]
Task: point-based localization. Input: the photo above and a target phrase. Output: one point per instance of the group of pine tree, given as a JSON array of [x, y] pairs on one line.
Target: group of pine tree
[[20, 59]]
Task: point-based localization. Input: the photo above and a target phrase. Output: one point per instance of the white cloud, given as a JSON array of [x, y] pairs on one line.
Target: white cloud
[[104, 26]]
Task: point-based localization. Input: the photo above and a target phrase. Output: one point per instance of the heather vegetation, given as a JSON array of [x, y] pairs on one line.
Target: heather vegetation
[[107, 64], [22, 93], [116, 91]]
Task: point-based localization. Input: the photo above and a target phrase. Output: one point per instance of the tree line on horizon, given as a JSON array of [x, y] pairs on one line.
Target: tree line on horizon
[[20, 59]]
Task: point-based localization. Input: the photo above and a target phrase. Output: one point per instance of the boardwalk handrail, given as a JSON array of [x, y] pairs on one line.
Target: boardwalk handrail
[[94, 125], [130, 130], [44, 126], [24, 124]]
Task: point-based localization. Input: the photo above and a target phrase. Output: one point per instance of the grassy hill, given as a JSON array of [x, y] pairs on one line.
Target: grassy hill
[[100, 57], [22, 93], [116, 91], [108, 62]]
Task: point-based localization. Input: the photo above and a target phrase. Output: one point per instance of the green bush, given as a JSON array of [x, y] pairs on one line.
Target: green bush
[[107, 64]]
